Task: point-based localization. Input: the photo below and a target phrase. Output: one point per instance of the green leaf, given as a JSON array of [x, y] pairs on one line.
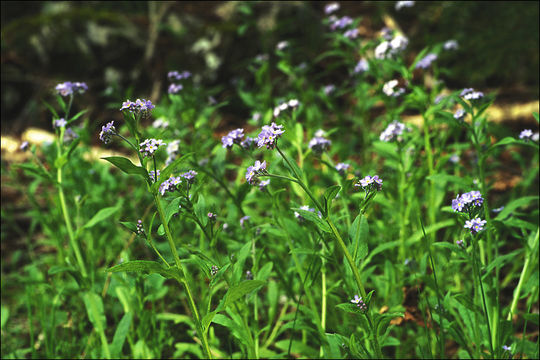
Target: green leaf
[[94, 308], [172, 208], [200, 210], [330, 194], [463, 182], [120, 334], [245, 287], [350, 308], [127, 166], [535, 114], [515, 204], [207, 320], [148, 267], [101, 215], [78, 115], [131, 226], [5, 315], [359, 232], [311, 216]]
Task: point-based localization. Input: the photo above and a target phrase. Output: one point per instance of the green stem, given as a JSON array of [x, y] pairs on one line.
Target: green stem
[[429, 154], [191, 301], [522, 277], [479, 277]]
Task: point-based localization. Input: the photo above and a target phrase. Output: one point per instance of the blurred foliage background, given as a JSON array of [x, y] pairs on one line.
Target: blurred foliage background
[[124, 49]]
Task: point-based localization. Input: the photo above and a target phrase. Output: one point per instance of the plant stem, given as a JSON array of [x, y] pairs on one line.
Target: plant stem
[[191, 301], [524, 274]]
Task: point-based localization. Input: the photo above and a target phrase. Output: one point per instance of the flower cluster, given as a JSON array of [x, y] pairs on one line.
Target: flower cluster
[[172, 151], [59, 123], [293, 103], [359, 302], [233, 137], [211, 216], [152, 175], [247, 143], [70, 135], [390, 89], [460, 114], [252, 172], [107, 131], [351, 33], [319, 144], [392, 131], [426, 61], [369, 183], [68, 88], [140, 106], [361, 67], [467, 201], [160, 124], [470, 94], [451, 45], [149, 146], [340, 23], [330, 8], [390, 48], [475, 225], [528, 135], [403, 4], [263, 184], [176, 76], [140, 229], [170, 184], [189, 176], [328, 89], [214, 270], [342, 167], [269, 135]]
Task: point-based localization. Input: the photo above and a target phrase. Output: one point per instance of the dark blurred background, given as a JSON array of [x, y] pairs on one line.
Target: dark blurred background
[[124, 49]]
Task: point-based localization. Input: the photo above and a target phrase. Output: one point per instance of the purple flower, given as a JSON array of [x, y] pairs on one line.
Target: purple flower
[[70, 135], [403, 4], [107, 131], [460, 243], [359, 302], [24, 146], [160, 124], [328, 89], [59, 123], [454, 158], [149, 146], [172, 151], [361, 67], [244, 220], [342, 167], [426, 61], [269, 135], [152, 175], [475, 225], [330, 8], [253, 171], [263, 184], [175, 75], [212, 216], [282, 45], [341, 23], [247, 143], [390, 89], [69, 88], [170, 184], [140, 228], [526, 134], [451, 45], [140, 106], [392, 131], [507, 348], [460, 114], [398, 43], [467, 201], [249, 275], [214, 270], [470, 94], [368, 183], [351, 33], [498, 210], [175, 88], [189, 176], [319, 144], [233, 137]]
